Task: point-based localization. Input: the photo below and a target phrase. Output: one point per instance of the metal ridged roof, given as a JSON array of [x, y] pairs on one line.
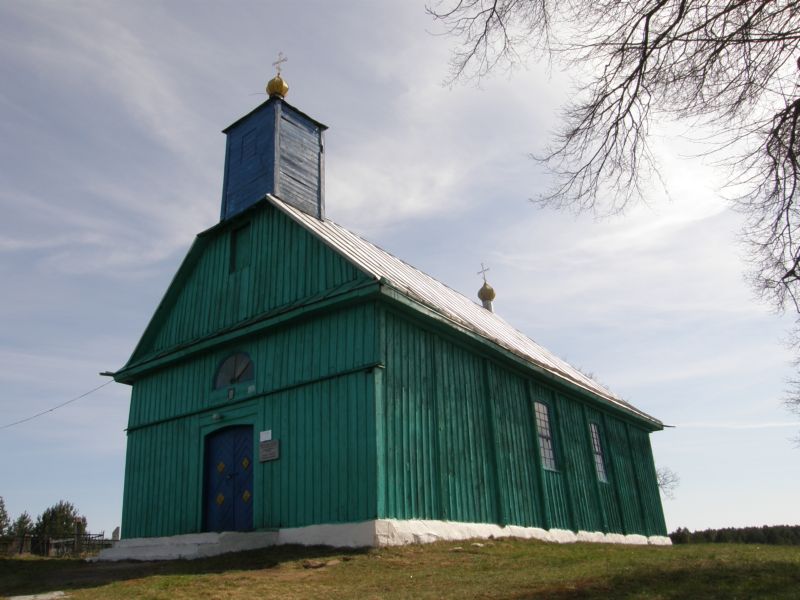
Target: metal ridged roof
[[445, 301]]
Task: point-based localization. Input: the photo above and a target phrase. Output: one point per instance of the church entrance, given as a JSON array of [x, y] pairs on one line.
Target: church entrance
[[229, 479]]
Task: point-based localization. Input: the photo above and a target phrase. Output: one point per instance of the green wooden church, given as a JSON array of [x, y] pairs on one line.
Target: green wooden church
[[299, 384]]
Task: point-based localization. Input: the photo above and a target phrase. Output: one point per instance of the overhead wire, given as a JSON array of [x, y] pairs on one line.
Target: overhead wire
[[56, 407]]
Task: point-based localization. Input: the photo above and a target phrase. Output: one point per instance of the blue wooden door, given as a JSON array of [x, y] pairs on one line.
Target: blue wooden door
[[229, 479]]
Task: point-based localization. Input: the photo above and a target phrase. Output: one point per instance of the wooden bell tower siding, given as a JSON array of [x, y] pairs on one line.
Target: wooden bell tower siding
[[391, 396]]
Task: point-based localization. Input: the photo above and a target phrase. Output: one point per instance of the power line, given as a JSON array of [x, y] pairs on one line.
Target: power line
[[49, 410]]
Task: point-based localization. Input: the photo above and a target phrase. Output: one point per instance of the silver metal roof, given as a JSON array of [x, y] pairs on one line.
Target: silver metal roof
[[447, 302]]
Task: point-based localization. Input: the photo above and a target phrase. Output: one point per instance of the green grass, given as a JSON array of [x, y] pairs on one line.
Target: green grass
[[499, 569]]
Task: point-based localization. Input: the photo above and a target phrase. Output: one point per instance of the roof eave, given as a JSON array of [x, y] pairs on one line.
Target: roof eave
[[322, 126]]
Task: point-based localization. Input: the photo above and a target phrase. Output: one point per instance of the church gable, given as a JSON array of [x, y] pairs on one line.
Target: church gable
[[240, 269]]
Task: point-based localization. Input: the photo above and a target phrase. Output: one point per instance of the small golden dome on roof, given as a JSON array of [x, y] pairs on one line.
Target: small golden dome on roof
[[277, 87], [486, 293]]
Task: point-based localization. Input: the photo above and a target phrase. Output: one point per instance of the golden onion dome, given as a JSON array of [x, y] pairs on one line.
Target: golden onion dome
[[277, 87], [486, 293]]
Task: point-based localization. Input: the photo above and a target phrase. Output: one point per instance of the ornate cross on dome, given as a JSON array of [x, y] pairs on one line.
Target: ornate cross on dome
[[277, 63], [483, 272]]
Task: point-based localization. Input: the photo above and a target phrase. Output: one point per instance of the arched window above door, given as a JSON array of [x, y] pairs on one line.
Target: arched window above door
[[236, 368]]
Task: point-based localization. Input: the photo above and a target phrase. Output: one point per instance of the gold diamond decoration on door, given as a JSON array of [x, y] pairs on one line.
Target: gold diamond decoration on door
[[245, 463], [246, 496], [220, 499], [220, 467]]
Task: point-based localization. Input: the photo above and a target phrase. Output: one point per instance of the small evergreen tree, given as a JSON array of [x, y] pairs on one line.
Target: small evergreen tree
[[60, 521], [4, 519], [680, 536], [22, 526]]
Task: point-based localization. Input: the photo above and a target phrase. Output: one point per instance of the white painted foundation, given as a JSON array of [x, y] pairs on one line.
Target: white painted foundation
[[380, 532], [390, 532]]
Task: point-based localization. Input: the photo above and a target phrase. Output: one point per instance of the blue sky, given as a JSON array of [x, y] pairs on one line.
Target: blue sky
[[111, 154]]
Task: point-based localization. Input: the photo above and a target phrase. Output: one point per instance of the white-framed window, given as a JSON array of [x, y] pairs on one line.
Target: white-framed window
[[597, 450], [546, 450]]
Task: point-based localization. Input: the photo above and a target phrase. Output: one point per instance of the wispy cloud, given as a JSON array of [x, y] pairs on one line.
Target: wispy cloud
[[123, 219], [100, 47], [765, 425]]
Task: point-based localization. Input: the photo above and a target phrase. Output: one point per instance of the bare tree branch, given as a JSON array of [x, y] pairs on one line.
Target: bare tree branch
[[668, 481]]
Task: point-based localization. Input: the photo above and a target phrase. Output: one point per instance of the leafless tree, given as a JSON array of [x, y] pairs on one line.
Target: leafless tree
[[730, 66], [668, 481]]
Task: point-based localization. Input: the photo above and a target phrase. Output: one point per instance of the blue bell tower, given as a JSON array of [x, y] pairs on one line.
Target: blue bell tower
[[275, 149]]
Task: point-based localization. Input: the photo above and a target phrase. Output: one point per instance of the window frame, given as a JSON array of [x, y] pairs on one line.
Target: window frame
[[598, 452], [544, 435], [240, 381]]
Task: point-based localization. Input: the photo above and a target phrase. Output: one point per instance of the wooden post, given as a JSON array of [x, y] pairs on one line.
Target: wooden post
[[77, 545]]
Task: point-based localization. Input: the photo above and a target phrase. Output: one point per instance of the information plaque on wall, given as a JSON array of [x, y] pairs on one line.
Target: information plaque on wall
[[269, 450]]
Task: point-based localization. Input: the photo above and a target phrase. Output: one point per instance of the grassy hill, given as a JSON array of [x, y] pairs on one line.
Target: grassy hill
[[481, 569]]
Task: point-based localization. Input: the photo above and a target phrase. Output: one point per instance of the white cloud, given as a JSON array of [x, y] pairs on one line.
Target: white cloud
[[673, 364], [96, 46], [763, 425]]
